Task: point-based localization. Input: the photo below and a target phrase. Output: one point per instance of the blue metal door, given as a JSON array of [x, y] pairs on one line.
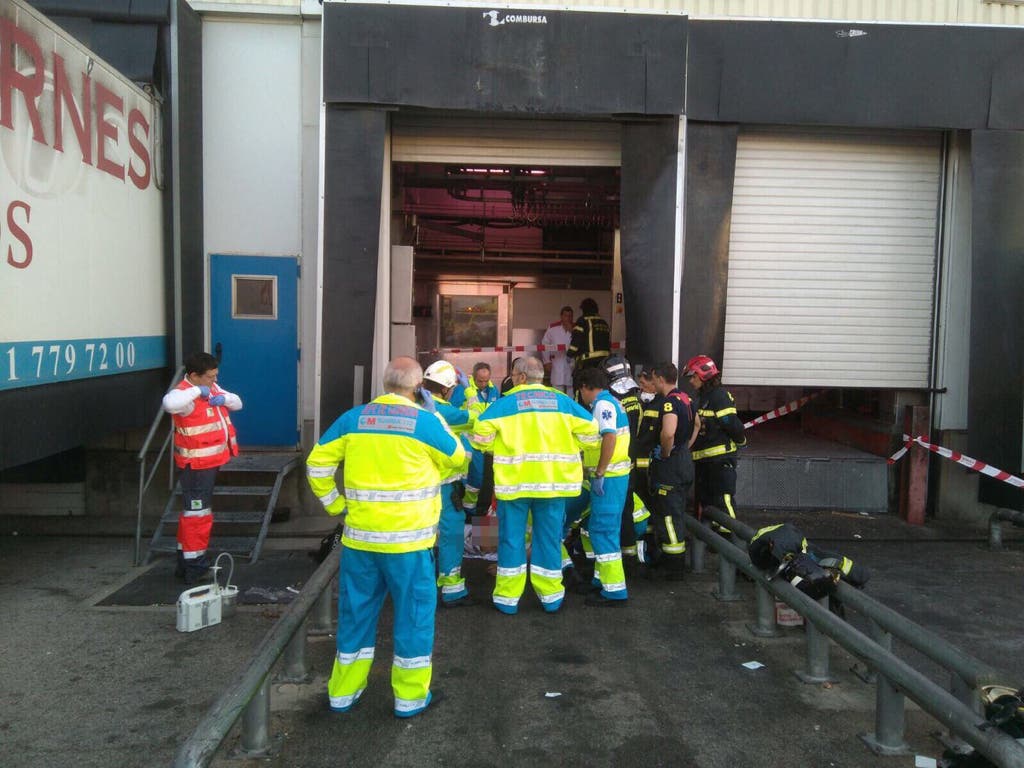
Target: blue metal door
[[253, 331]]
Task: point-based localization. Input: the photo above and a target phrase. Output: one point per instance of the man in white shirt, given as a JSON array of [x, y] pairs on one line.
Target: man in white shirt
[[556, 364]]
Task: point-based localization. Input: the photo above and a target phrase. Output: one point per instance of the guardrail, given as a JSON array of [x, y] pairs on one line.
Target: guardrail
[[958, 710], [144, 479], [249, 697]]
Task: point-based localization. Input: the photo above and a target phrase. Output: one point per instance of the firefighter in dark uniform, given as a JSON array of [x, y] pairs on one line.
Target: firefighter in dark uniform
[[627, 392], [719, 437], [671, 469], [648, 434], [591, 340]]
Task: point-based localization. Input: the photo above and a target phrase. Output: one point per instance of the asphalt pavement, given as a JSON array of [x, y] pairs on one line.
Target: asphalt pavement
[[658, 682]]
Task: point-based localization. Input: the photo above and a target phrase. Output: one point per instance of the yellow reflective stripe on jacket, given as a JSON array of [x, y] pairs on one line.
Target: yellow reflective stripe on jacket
[[522, 457], [618, 468], [388, 537], [643, 463], [411, 494], [714, 450], [535, 489]]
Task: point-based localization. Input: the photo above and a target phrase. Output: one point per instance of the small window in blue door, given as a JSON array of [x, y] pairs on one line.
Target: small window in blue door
[[253, 297]]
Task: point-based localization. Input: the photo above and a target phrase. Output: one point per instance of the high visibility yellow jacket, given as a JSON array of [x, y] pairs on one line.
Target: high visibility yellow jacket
[[536, 434], [611, 418], [395, 454], [461, 422]]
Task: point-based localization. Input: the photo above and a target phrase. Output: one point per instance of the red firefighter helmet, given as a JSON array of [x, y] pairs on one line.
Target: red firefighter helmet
[[703, 366]]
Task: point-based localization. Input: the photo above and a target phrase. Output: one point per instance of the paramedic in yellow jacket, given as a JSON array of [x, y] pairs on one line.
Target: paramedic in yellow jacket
[[535, 434], [394, 454]]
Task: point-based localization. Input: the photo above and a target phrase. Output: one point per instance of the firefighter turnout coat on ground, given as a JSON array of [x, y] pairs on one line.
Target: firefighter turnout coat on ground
[[395, 455]]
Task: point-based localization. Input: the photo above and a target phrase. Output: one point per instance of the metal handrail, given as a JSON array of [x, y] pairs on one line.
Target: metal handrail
[[895, 676], [974, 672], [249, 697], [144, 480]]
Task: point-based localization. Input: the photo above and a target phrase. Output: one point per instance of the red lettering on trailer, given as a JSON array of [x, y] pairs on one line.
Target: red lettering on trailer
[[82, 121], [31, 86], [136, 118], [105, 130], [94, 98], [19, 234]]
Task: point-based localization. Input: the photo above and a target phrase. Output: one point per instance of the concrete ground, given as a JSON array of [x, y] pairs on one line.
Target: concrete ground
[[659, 682]]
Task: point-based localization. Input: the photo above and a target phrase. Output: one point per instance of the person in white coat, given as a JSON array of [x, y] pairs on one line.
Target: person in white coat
[[556, 363]]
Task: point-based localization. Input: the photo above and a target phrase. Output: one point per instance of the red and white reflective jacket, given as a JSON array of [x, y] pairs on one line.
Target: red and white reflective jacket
[[204, 436]]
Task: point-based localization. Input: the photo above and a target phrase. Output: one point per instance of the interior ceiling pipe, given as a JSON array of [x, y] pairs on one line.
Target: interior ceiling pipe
[[940, 704]]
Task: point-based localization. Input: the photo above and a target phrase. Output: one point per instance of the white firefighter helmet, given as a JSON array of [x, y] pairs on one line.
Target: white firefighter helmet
[[442, 372]]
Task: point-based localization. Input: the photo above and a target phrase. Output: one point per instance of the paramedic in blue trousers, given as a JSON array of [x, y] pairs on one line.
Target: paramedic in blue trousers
[[395, 454], [439, 379], [608, 467], [535, 434]]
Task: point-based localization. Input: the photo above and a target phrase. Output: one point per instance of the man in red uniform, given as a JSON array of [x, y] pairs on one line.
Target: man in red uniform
[[204, 440]]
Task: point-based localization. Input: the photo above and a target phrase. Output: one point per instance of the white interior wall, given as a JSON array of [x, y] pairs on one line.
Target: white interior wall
[[538, 308]]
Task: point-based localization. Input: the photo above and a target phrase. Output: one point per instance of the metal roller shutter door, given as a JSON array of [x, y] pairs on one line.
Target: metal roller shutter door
[[832, 259], [503, 141]]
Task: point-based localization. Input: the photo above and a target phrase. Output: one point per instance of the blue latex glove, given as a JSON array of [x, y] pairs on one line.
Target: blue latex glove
[[656, 453], [639, 529], [204, 392], [462, 378], [597, 485], [427, 400], [217, 400]]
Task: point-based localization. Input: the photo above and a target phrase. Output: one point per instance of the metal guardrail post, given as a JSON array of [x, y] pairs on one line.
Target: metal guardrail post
[[726, 591], [324, 615], [995, 533], [698, 550], [295, 669], [255, 741], [765, 625], [995, 530], [890, 713], [817, 652]]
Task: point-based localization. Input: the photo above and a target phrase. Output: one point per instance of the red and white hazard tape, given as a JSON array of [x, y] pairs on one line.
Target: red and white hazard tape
[[516, 348], [787, 408], [959, 458]]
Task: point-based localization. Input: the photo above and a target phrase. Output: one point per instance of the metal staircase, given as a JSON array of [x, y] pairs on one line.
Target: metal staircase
[[243, 504]]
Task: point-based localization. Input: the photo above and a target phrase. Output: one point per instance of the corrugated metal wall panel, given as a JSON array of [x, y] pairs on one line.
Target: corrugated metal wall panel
[[429, 139], [832, 259]]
